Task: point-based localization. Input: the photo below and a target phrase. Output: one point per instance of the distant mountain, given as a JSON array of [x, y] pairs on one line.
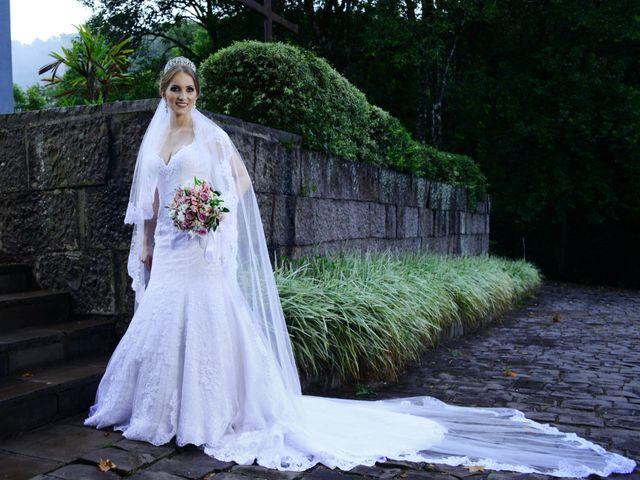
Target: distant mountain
[[27, 59]]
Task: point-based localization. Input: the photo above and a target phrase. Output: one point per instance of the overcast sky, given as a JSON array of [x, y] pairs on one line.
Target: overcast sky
[[43, 19]]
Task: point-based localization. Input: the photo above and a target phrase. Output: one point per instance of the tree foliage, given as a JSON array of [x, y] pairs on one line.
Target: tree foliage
[[95, 67], [33, 98]]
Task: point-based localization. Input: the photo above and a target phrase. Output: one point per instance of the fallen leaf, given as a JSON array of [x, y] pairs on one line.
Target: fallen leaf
[[105, 464], [27, 374], [510, 373], [475, 468], [556, 317]]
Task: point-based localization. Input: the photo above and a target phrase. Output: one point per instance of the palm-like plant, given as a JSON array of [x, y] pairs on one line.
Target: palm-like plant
[[95, 67]]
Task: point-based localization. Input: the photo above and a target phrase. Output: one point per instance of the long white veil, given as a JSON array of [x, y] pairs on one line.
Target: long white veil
[[254, 272]]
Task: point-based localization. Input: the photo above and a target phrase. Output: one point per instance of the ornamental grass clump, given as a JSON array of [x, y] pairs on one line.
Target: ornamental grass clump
[[368, 316]]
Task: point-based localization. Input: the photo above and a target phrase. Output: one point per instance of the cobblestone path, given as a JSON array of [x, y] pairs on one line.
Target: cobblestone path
[[570, 357]]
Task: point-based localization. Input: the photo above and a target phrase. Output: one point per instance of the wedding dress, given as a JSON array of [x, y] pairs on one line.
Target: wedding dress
[[206, 358]]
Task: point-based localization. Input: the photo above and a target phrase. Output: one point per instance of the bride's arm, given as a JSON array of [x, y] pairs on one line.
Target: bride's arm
[[149, 229], [240, 174]]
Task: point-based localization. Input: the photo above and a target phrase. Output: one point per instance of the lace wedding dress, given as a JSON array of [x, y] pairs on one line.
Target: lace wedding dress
[[195, 364]]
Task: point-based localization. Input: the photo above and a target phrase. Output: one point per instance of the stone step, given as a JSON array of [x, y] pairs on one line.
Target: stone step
[[26, 348], [48, 393], [15, 278], [31, 308]]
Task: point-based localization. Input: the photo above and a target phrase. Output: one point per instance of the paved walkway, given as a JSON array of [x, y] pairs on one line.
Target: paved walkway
[[570, 357]]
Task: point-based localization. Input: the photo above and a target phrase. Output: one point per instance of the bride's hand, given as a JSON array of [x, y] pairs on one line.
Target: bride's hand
[[147, 256]]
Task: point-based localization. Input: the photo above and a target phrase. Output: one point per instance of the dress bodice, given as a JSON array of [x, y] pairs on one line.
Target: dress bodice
[[188, 162]]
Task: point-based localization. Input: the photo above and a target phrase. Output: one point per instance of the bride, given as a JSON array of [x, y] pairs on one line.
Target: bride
[[207, 358]]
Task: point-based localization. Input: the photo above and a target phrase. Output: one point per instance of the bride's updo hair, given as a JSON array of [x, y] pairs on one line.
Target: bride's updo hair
[[172, 68]]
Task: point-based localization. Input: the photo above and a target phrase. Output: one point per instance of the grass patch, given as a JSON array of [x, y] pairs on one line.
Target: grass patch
[[366, 316]]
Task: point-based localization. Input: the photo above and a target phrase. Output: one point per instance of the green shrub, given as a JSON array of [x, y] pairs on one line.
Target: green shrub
[[368, 316], [290, 88], [454, 169]]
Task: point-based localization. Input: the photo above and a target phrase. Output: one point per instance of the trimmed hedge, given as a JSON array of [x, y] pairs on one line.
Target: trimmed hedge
[[291, 88]]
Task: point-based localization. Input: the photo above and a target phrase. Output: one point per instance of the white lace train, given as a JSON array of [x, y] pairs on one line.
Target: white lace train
[[193, 365]]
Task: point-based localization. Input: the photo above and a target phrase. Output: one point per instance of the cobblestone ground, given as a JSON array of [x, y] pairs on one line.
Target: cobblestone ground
[[570, 357]]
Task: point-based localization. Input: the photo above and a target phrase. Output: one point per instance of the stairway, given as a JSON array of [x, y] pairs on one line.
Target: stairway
[[50, 363]]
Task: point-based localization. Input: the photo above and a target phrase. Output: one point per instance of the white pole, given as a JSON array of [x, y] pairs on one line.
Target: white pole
[[6, 75]]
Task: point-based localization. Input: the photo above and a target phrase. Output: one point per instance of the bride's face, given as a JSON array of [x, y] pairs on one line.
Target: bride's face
[[181, 93]]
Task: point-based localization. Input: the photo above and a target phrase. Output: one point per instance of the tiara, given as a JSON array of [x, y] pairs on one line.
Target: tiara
[[180, 61]]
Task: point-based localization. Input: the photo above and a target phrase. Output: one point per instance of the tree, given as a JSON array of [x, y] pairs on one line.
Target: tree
[[95, 67], [34, 98], [165, 19]]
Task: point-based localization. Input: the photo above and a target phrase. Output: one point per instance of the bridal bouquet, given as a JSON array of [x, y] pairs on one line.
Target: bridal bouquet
[[196, 208]]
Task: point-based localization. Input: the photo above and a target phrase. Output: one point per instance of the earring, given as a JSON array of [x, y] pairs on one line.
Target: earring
[[166, 108]]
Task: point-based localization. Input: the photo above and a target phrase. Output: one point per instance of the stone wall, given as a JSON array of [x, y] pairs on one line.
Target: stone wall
[[64, 185]]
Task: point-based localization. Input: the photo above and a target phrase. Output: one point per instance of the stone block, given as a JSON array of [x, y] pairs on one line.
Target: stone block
[[412, 244], [277, 170], [126, 131], [453, 244], [283, 223], [440, 196], [454, 222], [76, 471], [20, 466], [13, 161], [474, 223], [426, 222], [125, 461], [257, 471], [102, 211], [441, 226], [25, 405], [321, 220], [329, 248], [460, 198], [59, 442], [391, 220], [467, 245], [326, 176], [190, 464], [421, 189], [484, 241], [395, 188], [88, 276], [482, 206], [124, 294], [435, 245], [377, 214], [68, 153], [265, 204], [245, 143], [39, 221], [147, 475], [407, 222]]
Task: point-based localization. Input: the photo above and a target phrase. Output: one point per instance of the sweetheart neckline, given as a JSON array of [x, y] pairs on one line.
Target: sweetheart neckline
[[173, 156]]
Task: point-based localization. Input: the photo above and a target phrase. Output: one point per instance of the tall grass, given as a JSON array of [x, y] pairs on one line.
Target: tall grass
[[356, 316]]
